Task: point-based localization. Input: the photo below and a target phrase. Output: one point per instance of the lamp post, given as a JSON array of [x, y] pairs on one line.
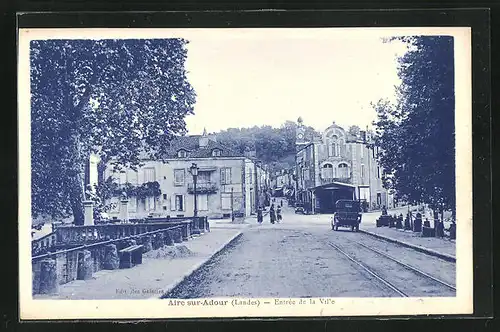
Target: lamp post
[[194, 172], [256, 164]]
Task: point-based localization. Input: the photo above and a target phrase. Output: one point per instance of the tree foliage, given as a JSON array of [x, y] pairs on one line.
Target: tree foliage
[[416, 135], [114, 98]]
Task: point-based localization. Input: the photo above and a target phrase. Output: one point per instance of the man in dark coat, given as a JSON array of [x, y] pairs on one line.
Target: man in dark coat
[[259, 215]]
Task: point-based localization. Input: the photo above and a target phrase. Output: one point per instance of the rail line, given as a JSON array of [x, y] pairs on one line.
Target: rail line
[[377, 276], [414, 269]]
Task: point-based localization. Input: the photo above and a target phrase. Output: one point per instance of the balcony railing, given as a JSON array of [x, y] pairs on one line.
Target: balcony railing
[[202, 188], [331, 180]]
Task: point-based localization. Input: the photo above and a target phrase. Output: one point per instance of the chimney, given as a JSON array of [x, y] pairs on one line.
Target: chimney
[[204, 139]]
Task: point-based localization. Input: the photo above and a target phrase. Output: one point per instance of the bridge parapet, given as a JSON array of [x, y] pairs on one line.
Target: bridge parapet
[[64, 236], [86, 248]]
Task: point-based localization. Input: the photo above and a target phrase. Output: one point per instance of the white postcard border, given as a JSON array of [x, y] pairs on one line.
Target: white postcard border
[[140, 309]]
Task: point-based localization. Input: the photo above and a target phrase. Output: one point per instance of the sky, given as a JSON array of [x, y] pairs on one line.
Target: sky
[[264, 78]]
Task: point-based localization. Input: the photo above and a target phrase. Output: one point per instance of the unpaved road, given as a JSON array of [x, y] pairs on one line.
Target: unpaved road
[[294, 260]]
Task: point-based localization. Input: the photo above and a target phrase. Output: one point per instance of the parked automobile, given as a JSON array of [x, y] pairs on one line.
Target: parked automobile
[[299, 209], [348, 214]]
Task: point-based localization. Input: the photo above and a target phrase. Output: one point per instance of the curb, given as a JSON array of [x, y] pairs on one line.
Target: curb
[[431, 252], [196, 267]]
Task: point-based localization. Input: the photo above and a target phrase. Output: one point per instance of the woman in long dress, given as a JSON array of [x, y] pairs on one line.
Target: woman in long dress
[[272, 214]]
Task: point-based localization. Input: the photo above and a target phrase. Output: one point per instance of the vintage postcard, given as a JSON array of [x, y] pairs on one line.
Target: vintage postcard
[[291, 172]]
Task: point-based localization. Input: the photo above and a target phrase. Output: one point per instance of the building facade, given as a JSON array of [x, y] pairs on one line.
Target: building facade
[[338, 165], [227, 182]]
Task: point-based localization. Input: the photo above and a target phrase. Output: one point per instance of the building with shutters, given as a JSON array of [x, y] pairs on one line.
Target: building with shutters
[[338, 165], [227, 181]]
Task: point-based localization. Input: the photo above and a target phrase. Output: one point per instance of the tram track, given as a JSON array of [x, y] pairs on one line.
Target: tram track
[[395, 274]]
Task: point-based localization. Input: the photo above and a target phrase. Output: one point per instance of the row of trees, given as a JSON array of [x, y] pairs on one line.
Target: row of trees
[[416, 134]]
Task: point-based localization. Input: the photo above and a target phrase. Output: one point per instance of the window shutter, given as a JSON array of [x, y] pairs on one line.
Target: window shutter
[[172, 203]]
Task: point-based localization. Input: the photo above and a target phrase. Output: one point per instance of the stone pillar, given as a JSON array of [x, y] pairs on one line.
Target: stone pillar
[[111, 259], [169, 241], [195, 226], [185, 231], [158, 241], [124, 210], [147, 244], [48, 277], [85, 265], [177, 235], [89, 213]]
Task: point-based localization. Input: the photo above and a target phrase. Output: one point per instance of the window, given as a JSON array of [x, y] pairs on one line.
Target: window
[[203, 177], [179, 202], [225, 175], [165, 196], [327, 171], [378, 172], [306, 174], [216, 153], [164, 208], [182, 153], [179, 177], [150, 204], [202, 200], [250, 176], [225, 201], [149, 174], [343, 171], [362, 172], [132, 177], [132, 204]]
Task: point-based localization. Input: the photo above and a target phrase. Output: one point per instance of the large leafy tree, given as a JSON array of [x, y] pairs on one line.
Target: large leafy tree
[[114, 98], [416, 135]]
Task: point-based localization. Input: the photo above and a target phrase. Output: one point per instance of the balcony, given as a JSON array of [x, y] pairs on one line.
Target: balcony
[[331, 180], [203, 188]]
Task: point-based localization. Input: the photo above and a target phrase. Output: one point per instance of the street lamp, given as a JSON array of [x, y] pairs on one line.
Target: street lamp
[[257, 163], [194, 172]]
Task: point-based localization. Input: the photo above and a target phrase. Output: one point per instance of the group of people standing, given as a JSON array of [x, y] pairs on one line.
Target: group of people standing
[[274, 213]]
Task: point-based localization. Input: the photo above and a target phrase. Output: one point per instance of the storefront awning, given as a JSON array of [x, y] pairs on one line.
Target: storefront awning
[[336, 185]]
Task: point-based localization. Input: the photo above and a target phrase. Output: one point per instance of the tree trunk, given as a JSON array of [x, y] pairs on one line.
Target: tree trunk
[[77, 198], [75, 180]]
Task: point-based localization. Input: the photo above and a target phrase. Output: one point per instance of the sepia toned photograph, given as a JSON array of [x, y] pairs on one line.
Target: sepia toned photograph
[[244, 172]]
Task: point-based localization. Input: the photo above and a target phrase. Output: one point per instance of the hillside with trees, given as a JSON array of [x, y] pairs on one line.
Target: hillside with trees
[[273, 146]]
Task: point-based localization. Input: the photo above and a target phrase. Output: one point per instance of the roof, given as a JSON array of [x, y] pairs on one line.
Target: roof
[[191, 144]]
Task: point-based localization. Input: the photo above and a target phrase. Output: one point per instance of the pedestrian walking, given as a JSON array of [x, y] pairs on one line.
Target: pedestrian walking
[[278, 214], [259, 215], [272, 214]]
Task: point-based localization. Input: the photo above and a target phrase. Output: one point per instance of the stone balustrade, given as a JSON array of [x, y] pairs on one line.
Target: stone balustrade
[[76, 235], [56, 268]]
